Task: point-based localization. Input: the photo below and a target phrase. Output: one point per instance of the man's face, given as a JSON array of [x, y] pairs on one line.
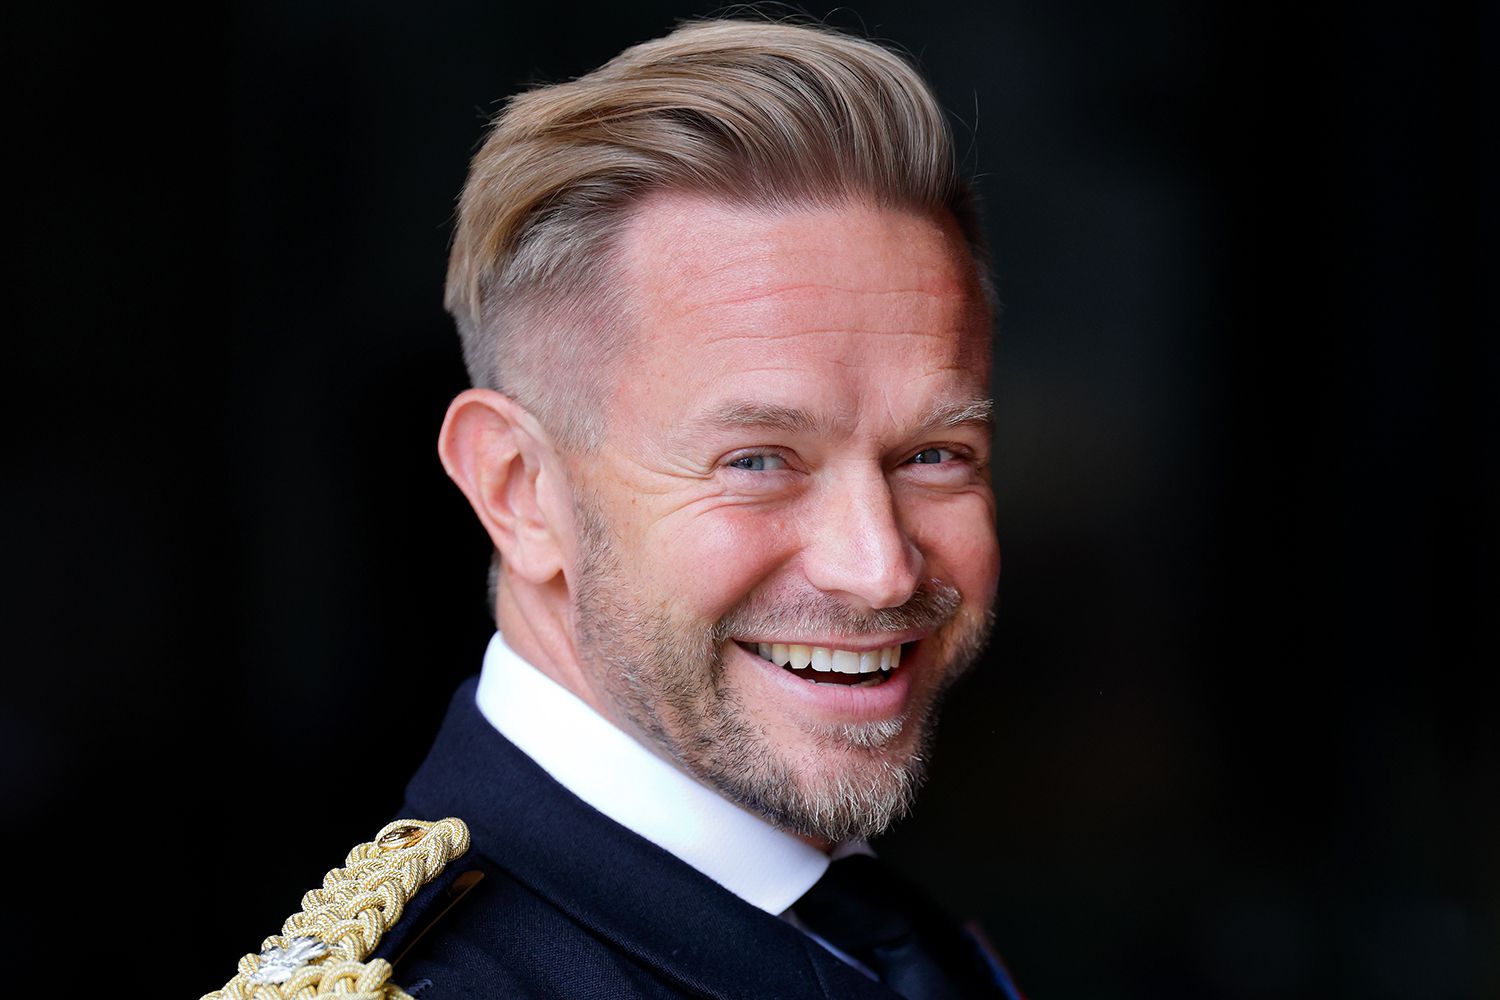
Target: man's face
[[795, 465]]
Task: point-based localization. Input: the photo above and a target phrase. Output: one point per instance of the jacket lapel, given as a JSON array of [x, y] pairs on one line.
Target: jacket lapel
[[622, 888]]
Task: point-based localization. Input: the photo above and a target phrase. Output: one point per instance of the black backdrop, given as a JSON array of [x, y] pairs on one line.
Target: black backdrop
[[1236, 735]]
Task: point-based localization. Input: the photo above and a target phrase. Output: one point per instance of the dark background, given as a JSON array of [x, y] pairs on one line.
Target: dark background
[[1237, 733]]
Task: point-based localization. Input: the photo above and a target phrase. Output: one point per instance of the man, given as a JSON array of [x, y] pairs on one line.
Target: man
[[725, 306]]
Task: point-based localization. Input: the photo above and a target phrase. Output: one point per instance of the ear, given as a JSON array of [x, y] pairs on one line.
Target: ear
[[506, 465]]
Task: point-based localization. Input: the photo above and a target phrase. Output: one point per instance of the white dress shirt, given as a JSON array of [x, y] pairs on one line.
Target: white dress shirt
[[766, 867]]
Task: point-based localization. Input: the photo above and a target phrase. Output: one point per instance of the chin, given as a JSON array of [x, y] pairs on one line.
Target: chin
[[841, 783]]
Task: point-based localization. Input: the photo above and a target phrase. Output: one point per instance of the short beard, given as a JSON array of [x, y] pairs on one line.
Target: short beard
[[667, 677]]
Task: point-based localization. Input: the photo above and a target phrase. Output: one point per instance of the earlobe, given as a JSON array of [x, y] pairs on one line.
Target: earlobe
[[501, 459]]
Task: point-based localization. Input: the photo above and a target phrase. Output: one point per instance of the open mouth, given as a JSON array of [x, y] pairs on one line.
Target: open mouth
[[826, 665]]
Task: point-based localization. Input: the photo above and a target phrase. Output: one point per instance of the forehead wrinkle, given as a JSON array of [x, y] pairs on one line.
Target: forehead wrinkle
[[772, 336], [678, 306], [700, 269], [787, 291]]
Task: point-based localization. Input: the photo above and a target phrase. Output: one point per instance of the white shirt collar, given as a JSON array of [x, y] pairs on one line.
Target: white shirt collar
[[766, 867]]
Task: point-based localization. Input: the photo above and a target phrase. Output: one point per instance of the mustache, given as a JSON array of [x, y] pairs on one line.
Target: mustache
[[932, 605]]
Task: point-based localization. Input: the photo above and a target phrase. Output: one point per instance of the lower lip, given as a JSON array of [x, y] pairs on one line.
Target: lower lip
[[836, 702]]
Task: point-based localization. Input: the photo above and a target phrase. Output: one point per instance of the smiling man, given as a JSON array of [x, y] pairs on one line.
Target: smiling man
[[725, 307], [779, 554]]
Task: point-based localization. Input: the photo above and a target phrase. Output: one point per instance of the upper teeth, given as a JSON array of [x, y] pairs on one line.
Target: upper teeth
[[822, 658]]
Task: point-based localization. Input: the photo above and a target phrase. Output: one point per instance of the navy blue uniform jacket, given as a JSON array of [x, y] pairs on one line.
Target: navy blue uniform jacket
[[573, 905]]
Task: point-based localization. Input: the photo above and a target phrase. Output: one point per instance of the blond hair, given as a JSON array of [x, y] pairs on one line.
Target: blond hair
[[772, 115]]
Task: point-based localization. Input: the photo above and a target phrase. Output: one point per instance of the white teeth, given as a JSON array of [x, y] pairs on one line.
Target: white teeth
[[845, 662], [825, 660]]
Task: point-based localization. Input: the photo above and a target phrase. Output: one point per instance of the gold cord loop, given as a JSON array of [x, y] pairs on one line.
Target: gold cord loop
[[322, 950]]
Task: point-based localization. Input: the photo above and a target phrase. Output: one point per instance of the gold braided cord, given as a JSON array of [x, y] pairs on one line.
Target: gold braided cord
[[342, 922]]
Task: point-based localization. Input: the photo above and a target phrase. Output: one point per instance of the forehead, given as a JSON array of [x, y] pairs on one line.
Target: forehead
[[857, 300]]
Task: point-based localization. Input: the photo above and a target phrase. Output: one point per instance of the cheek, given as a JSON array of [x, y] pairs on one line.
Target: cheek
[[713, 561], [957, 537]]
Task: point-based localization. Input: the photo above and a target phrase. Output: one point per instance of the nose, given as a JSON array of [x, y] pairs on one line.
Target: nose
[[860, 551]]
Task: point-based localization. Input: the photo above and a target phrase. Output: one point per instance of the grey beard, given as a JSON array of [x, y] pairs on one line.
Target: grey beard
[[668, 679]]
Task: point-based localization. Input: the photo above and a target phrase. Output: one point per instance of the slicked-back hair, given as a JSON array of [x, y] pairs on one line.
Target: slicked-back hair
[[765, 115]]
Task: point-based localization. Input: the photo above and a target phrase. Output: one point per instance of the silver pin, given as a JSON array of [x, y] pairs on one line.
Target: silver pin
[[277, 965]]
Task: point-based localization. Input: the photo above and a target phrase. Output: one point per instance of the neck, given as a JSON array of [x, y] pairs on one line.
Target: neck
[[537, 623], [819, 843]]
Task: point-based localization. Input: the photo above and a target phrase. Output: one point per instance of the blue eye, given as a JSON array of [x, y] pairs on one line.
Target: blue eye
[[931, 456], [758, 463]]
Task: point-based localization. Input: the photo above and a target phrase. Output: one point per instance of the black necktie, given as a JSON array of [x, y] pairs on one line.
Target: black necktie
[[863, 909]]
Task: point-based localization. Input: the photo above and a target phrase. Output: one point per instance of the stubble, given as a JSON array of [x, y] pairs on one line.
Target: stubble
[[667, 677]]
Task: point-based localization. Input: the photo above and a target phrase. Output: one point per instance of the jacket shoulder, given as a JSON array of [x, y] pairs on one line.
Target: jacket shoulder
[[327, 947]]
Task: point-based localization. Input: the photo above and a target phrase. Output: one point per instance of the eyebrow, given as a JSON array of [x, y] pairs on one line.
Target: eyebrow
[[976, 412], [745, 413], [750, 414]]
